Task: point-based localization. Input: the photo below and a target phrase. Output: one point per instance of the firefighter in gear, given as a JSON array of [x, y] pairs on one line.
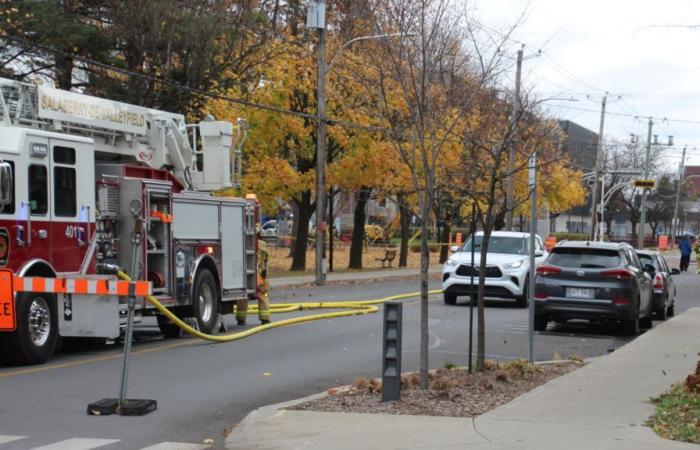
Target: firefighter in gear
[[261, 292]]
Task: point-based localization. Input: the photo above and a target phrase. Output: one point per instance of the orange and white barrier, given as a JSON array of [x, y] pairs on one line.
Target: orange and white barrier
[[81, 286]]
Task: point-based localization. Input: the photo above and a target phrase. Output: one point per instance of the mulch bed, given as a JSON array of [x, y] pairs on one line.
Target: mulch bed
[[452, 392]]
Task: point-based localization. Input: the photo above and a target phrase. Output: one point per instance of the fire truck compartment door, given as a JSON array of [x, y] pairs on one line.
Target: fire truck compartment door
[[232, 251], [88, 316], [195, 220]]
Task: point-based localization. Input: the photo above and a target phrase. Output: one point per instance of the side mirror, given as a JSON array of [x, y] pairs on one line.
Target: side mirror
[[648, 268], [6, 184], [675, 271], [454, 248], [539, 253]]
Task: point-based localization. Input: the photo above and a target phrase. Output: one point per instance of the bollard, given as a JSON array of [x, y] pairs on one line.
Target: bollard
[[391, 356]]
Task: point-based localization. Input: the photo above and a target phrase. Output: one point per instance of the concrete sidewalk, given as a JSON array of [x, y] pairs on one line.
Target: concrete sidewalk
[[364, 275], [602, 405]]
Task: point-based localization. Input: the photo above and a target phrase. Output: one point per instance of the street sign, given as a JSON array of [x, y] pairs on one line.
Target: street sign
[[645, 184], [7, 301]]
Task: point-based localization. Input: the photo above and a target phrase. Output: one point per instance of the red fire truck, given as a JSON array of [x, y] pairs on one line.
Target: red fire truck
[[81, 178]]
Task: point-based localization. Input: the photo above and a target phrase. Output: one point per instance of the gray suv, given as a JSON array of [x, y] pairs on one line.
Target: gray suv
[[598, 281]]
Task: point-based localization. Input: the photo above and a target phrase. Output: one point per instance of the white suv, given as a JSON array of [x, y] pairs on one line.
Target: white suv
[[507, 267]]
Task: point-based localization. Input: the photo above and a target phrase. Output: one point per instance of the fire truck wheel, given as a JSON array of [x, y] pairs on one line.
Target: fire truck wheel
[[169, 329], [34, 340], [205, 301]]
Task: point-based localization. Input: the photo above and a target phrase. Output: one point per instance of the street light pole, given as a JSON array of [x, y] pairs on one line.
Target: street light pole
[[517, 106], [598, 157]]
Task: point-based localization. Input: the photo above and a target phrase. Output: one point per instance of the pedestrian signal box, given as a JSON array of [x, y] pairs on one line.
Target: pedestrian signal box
[[645, 184]]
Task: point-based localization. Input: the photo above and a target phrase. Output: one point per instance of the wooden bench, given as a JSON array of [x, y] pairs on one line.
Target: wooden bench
[[389, 256]]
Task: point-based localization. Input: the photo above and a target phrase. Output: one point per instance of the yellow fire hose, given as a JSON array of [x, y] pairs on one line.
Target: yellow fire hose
[[354, 308]]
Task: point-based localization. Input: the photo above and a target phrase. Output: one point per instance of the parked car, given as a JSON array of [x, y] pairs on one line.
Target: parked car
[[269, 229], [597, 281], [664, 287], [507, 267]]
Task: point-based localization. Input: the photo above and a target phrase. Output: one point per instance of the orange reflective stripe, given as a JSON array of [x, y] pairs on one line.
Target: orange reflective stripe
[[102, 288], [122, 288], [38, 284], [59, 286], [81, 286], [142, 289]]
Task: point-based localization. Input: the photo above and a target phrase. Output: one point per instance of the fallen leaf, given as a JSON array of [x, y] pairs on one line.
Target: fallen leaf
[[267, 374]]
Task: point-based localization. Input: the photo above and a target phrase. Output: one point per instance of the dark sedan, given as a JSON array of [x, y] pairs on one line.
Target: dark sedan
[[664, 287], [597, 281]]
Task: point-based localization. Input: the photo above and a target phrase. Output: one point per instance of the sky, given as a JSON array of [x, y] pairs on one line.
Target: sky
[[643, 53]]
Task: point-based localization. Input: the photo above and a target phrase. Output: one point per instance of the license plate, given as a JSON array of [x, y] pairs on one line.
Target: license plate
[[579, 292]]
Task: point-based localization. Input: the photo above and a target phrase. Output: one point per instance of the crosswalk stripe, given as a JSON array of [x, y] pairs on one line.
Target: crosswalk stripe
[[77, 444], [176, 446], [5, 438]]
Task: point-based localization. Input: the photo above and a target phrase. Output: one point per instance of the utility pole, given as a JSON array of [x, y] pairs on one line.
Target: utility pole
[[317, 19], [517, 106], [681, 173], [598, 158], [643, 216]]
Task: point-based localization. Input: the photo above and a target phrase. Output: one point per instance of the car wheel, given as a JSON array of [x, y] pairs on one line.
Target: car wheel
[[521, 300], [540, 322], [647, 322], [662, 312], [631, 327], [449, 299]]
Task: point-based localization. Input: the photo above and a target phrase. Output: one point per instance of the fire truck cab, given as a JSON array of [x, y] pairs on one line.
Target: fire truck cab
[[88, 185]]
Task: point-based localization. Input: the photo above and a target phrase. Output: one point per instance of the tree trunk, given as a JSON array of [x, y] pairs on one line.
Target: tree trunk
[[634, 229], [64, 72], [481, 323], [405, 221], [424, 265], [358, 229], [445, 240], [305, 210]]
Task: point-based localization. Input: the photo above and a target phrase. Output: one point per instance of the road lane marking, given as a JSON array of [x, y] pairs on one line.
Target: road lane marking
[[5, 438], [77, 444], [95, 359], [176, 446]]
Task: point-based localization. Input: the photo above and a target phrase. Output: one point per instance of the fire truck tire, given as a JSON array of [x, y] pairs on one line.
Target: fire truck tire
[[169, 329], [205, 301], [34, 340]]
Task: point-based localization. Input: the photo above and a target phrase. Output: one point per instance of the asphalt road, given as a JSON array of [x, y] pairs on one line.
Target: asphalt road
[[203, 389]]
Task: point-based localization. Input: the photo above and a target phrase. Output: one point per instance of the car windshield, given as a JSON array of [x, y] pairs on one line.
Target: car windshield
[[585, 258], [648, 259], [499, 244]]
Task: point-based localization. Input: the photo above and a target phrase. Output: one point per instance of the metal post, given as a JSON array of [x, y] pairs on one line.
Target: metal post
[[643, 216], [510, 188], [532, 172], [681, 172], [320, 156], [136, 242], [598, 154], [472, 294]]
